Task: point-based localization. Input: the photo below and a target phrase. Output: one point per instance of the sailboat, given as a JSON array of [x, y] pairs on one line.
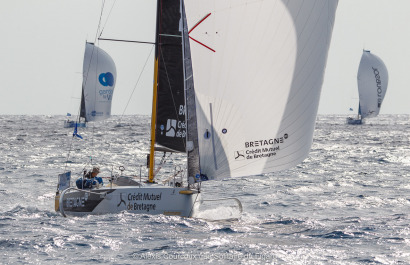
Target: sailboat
[[71, 123], [372, 80], [99, 75], [251, 75]]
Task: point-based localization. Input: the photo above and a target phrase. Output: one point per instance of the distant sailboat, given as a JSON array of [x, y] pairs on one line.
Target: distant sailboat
[[99, 76], [252, 73], [71, 123], [372, 80]]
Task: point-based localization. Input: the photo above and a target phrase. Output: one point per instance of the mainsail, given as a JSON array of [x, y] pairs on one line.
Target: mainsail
[[170, 120], [258, 68], [372, 80], [99, 77]]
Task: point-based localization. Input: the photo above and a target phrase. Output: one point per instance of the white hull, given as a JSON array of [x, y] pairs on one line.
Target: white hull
[[151, 199]]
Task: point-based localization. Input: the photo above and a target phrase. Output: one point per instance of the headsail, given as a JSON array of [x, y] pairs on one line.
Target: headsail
[[170, 123], [99, 77], [372, 80], [258, 69]]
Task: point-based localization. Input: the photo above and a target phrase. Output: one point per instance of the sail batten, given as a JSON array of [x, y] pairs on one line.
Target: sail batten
[[263, 81]]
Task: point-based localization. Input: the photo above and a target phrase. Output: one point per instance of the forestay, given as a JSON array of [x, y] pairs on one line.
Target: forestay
[[258, 68], [372, 80], [99, 77]]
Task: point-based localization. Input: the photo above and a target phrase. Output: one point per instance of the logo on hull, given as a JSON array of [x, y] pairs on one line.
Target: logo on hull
[[121, 201]]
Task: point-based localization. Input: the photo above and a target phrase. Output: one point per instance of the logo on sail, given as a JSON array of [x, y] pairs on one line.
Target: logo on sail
[[239, 155], [379, 86], [106, 79], [96, 113], [171, 128], [174, 128], [265, 148], [272, 141]]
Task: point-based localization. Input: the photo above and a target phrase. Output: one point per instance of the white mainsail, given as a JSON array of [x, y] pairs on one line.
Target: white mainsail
[[99, 77], [372, 80], [258, 68]]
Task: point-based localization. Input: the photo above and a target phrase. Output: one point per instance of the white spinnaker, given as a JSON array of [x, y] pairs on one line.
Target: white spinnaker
[[99, 77], [372, 80], [257, 95]]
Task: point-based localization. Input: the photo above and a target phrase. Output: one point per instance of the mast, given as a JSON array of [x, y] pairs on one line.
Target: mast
[[154, 98]]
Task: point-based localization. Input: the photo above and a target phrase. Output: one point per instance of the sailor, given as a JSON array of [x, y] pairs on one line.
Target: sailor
[[93, 173], [93, 176], [90, 180]]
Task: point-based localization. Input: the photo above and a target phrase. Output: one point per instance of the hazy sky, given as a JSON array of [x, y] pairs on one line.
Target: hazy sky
[[43, 41]]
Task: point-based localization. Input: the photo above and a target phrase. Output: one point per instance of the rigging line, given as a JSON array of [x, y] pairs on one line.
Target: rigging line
[[99, 21], [103, 160], [109, 13], [95, 39], [132, 41], [68, 155], [136, 84], [88, 68], [93, 151], [104, 157], [79, 109], [72, 139], [79, 112], [212, 136]]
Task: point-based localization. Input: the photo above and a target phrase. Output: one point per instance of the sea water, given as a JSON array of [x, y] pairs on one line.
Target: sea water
[[347, 203]]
